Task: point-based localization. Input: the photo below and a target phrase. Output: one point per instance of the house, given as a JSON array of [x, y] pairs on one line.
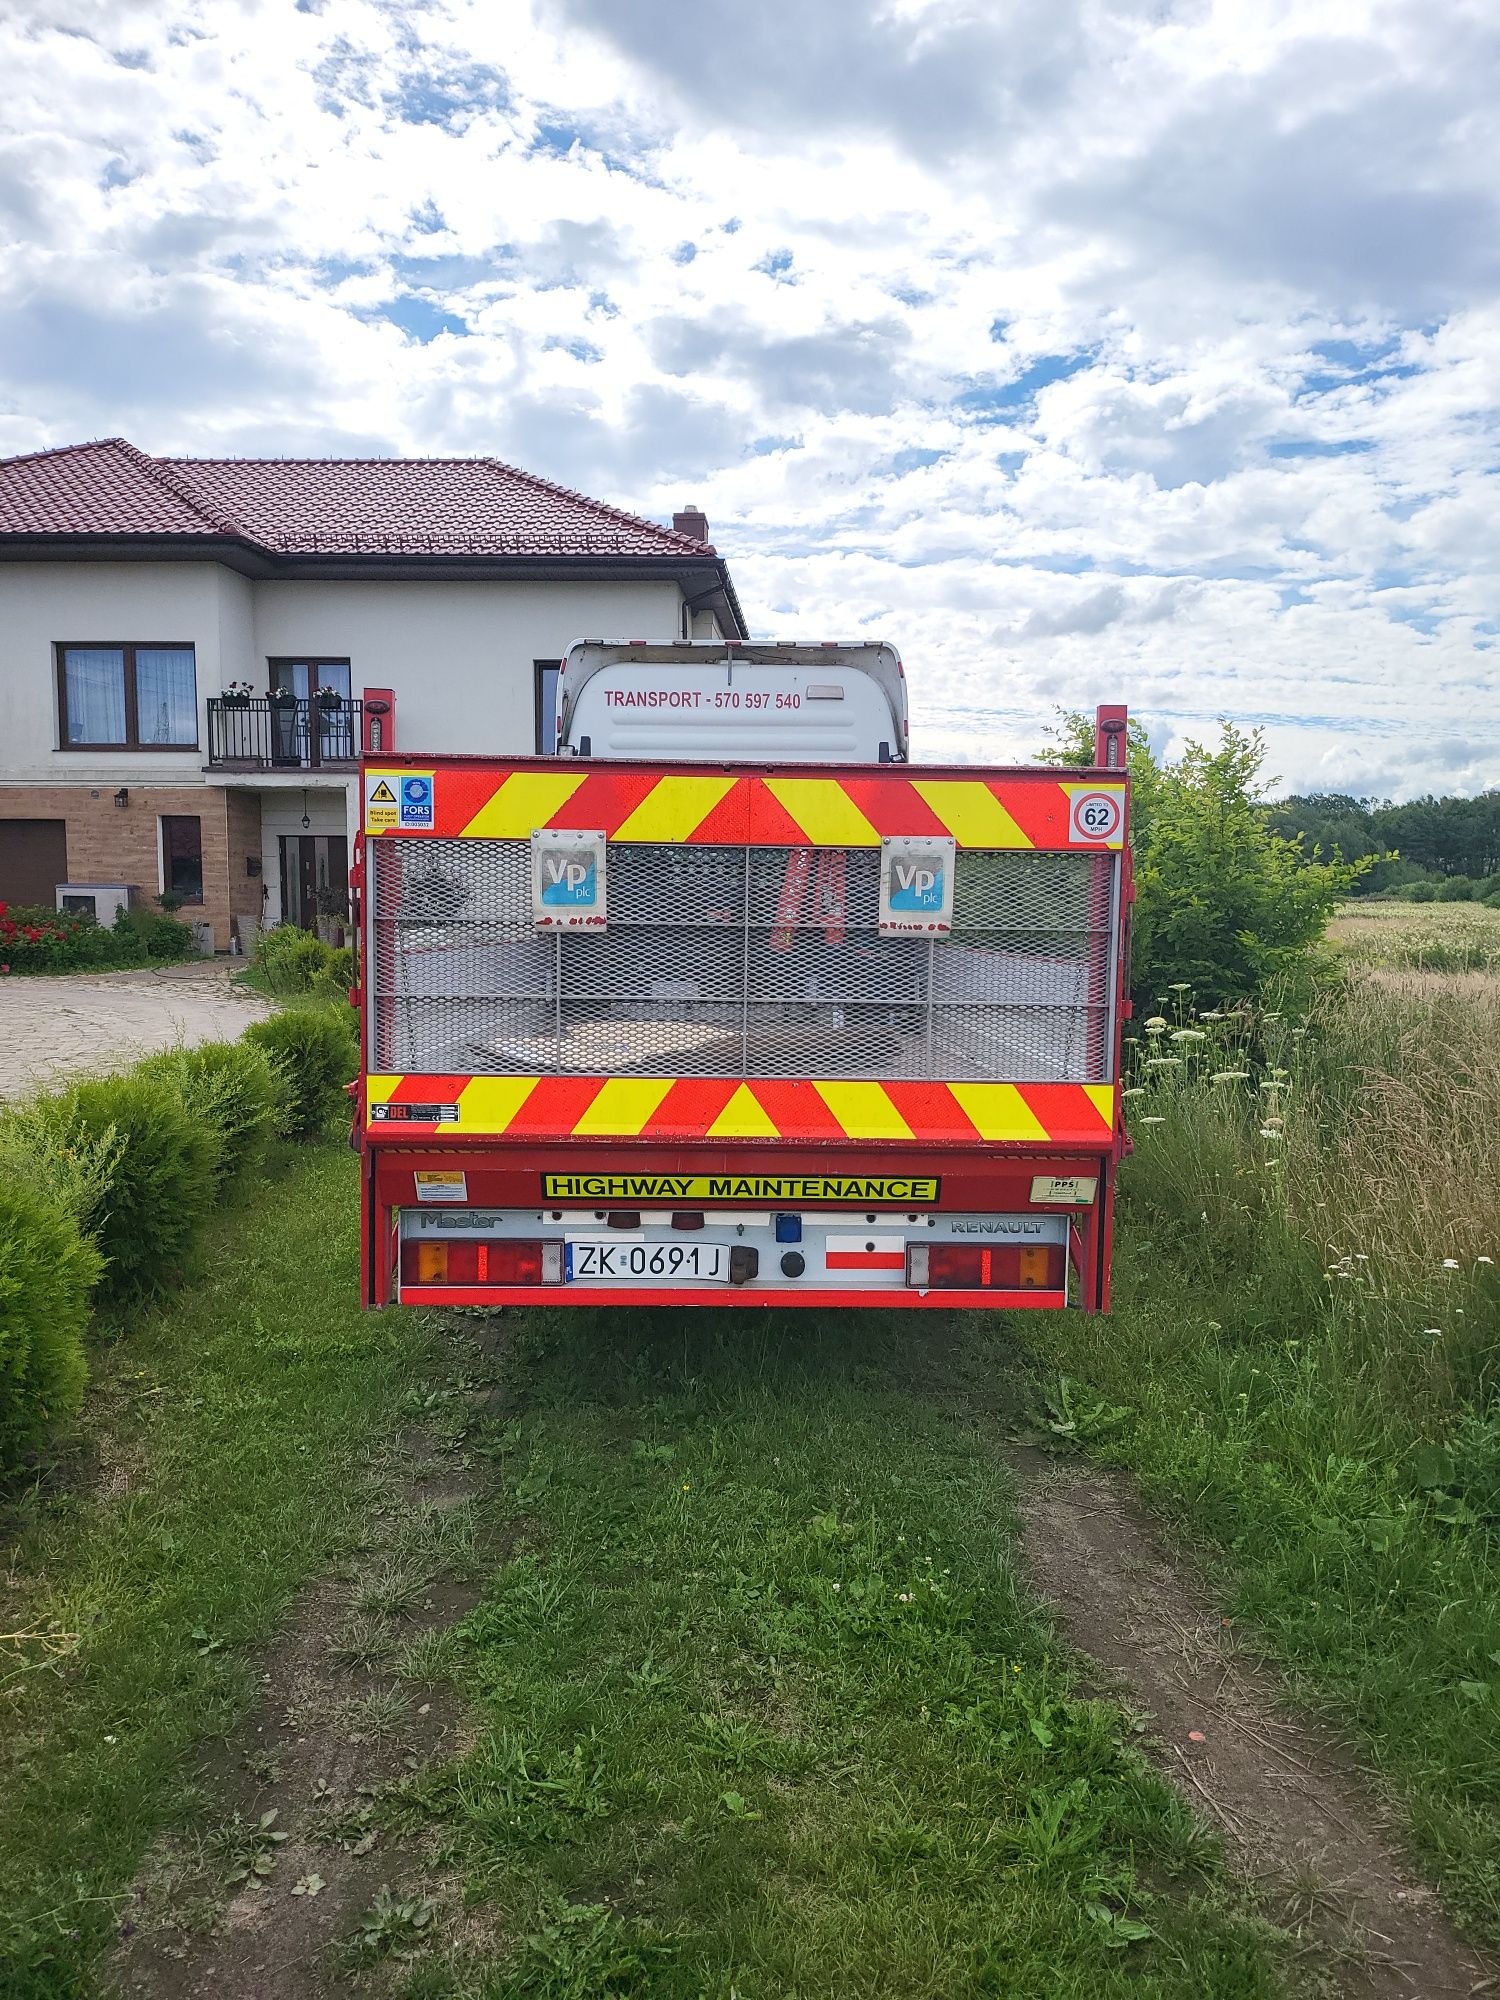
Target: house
[[186, 647]]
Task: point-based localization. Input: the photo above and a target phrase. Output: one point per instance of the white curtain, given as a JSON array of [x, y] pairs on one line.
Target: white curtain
[[95, 679], [166, 696]]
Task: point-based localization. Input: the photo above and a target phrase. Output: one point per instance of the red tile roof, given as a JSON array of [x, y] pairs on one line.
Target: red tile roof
[[320, 506]]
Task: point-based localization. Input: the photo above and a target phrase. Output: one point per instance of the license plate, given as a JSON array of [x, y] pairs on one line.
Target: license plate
[[605, 1261]]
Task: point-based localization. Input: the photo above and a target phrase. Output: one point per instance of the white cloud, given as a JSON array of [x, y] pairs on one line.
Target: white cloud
[[1087, 348]]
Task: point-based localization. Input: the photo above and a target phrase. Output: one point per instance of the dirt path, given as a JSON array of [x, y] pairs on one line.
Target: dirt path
[[268, 1908], [1291, 1805], [52, 1028]]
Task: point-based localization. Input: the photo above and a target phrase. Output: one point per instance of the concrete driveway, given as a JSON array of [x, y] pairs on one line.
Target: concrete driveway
[[56, 1028]]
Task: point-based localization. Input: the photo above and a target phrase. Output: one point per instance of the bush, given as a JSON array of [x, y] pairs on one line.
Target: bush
[[236, 1091], [1456, 889], [162, 1183], [341, 967], [47, 1271], [1422, 892], [1491, 896], [152, 934], [35, 939], [41, 1148], [291, 960], [317, 1053]]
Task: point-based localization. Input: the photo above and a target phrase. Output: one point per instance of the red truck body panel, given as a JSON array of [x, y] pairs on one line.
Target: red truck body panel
[[522, 1144]]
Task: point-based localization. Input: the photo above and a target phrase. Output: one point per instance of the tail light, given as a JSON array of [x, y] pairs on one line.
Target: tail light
[[979, 1267], [466, 1260]]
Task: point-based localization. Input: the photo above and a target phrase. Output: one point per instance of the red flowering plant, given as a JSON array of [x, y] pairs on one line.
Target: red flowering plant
[[42, 940]]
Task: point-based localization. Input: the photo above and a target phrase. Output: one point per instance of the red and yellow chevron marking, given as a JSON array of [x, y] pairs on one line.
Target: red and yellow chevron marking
[[1063, 1115], [789, 809]]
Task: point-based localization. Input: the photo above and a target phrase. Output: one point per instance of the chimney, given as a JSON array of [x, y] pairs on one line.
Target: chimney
[[691, 521]]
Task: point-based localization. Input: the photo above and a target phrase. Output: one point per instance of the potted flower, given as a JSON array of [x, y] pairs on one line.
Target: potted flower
[[328, 699], [281, 698], [238, 694]]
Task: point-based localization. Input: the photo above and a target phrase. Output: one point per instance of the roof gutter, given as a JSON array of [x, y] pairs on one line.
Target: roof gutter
[[249, 559]]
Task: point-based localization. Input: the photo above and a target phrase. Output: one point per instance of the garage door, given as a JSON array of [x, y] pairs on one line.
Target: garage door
[[33, 860]]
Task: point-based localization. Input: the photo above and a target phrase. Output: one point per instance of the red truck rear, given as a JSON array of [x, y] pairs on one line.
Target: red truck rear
[[660, 1031]]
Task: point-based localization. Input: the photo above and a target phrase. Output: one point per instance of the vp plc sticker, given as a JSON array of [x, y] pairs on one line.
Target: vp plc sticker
[[916, 886], [568, 880]]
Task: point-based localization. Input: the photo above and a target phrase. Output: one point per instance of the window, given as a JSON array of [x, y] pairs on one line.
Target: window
[[182, 856], [547, 672], [303, 678], [127, 697]]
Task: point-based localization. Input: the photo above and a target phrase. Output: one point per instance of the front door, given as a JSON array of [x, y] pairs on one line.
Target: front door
[[315, 882]]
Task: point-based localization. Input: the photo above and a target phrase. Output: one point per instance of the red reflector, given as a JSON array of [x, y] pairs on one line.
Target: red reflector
[[624, 1218], [447, 1260]]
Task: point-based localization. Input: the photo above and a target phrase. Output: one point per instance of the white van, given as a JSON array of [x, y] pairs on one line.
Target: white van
[[726, 702]]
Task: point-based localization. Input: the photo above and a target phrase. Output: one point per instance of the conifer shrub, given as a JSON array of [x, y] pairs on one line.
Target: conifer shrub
[[317, 1054], [237, 1091], [48, 1270], [162, 1184]]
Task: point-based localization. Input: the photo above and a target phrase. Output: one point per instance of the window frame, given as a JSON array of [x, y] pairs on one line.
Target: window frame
[[314, 662], [538, 706], [128, 650]]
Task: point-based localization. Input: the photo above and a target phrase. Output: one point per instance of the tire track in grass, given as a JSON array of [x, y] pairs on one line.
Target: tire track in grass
[[1289, 1801]]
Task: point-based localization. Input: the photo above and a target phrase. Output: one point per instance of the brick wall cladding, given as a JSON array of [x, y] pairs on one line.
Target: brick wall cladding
[[110, 843]]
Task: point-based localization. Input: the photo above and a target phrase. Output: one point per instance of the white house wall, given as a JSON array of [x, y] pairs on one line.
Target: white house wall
[[460, 656], [42, 604]]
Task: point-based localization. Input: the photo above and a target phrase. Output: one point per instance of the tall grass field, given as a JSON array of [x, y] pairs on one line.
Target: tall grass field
[[1304, 1362]]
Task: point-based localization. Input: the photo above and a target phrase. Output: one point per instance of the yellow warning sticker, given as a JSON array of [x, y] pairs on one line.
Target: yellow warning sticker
[[792, 1188], [382, 806], [441, 1187]]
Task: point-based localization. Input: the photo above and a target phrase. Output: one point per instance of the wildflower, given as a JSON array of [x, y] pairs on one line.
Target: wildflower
[[1015, 1667], [1484, 1260], [838, 1586], [1435, 1332], [1182, 986], [1273, 1086], [1269, 1132], [1164, 1062], [1153, 1121], [1155, 1023], [1137, 1090], [1230, 1076], [1188, 1035], [1212, 1014], [1450, 1263], [904, 1597], [685, 1487]]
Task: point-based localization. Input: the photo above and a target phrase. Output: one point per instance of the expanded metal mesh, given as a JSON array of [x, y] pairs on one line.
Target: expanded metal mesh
[[733, 961]]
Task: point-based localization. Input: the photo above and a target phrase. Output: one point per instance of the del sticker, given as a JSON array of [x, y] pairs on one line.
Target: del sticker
[[790, 1188]]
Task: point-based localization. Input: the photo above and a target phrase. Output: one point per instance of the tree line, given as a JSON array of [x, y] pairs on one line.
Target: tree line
[[1427, 837]]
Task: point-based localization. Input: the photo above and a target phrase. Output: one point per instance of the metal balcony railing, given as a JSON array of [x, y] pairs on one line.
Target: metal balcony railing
[[258, 734]]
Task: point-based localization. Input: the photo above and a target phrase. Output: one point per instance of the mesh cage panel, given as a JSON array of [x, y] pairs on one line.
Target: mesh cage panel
[[729, 961]]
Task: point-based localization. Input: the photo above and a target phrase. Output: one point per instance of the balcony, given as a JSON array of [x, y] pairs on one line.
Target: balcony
[[257, 734]]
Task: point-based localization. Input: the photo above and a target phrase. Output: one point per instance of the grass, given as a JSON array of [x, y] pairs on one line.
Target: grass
[[1304, 1364], [1419, 937], [232, 1426], [764, 1710]]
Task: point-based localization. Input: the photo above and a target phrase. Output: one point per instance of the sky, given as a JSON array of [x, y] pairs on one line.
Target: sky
[[1088, 350]]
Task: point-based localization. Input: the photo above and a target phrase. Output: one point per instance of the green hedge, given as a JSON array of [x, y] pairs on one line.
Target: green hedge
[[293, 961], [104, 1185], [162, 1184], [48, 1269], [316, 1049], [236, 1091]]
